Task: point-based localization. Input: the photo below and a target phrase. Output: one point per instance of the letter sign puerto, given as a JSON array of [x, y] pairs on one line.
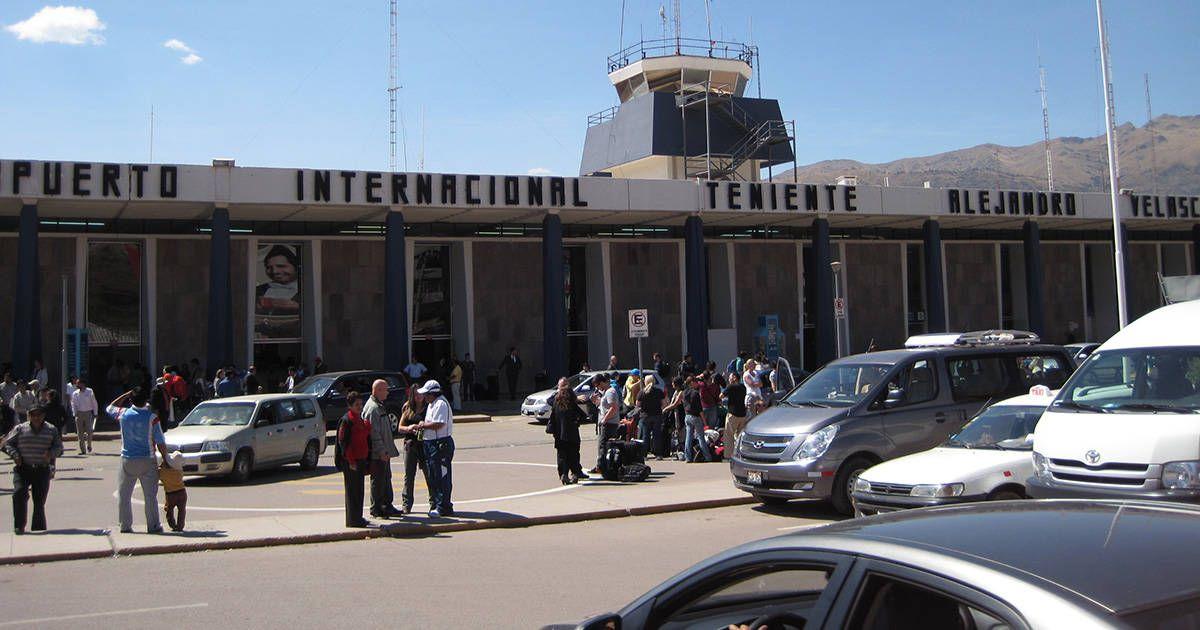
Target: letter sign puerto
[[639, 323]]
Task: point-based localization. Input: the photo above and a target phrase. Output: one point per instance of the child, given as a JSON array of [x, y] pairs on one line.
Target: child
[[171, 474]]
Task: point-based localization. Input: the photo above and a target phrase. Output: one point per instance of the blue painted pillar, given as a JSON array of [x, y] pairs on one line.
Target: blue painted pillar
[[220, 293], [395, 302], [696, 289], [27, 320], [821, 275], [1034, 293], [554, 305], [935, 289]]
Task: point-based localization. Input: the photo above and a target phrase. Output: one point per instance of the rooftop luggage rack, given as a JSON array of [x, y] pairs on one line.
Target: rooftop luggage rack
[[976, 338]]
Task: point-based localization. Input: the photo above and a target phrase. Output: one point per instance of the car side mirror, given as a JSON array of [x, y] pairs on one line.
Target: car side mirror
[[609, 621], [894, 398], [1028, 440], [584, 389]]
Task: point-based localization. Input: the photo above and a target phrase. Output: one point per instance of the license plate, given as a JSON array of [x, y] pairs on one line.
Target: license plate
[[754, 477]]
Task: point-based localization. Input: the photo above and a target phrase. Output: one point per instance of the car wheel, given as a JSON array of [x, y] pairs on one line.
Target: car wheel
[[311, 453], [1005, 495], [243, 465], [843, 484], [771, 501]]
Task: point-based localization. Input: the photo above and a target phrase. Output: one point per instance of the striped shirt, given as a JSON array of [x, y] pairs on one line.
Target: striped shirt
[[35, 447]]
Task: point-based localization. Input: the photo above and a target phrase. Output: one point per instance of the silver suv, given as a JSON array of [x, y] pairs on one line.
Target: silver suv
[[861, 410]]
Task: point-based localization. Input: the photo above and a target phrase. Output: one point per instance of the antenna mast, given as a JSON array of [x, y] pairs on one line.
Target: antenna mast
[[393, 45], [621, 31], [1150, 128], [1045, 125], [152, 134], [678, 27]]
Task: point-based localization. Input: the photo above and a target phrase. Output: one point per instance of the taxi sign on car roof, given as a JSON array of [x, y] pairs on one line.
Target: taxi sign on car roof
[[1040, 390]]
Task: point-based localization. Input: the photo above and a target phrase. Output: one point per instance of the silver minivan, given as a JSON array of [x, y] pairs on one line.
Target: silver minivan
[[864, 409], [236, 436]]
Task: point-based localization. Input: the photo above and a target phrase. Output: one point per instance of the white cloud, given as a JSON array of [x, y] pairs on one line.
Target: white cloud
[[190, 59], [60, 25], [175, 44], [539, 170]]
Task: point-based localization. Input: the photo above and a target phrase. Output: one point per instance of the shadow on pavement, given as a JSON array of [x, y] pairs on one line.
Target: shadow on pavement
[[802, 509], [70, 531], [263, 477]]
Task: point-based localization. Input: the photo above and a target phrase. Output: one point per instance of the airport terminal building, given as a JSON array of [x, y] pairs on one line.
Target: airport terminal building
[[160, 263]]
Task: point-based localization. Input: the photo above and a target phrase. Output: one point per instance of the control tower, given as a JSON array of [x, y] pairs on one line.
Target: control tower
[[683, 114]]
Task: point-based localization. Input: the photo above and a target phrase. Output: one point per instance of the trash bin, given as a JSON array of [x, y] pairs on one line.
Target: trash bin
[[493, 385]]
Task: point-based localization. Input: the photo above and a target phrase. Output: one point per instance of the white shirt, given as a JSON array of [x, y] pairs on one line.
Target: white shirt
[[438, 411], [42, 378], [415, 369], [70, 390], [84, 400]]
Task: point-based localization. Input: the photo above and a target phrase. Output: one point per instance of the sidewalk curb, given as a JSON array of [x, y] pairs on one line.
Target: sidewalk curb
[[391, 530]]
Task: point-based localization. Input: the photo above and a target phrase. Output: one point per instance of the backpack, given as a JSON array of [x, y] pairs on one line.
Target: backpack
[[635, 472], [343, 435], [610, 464]]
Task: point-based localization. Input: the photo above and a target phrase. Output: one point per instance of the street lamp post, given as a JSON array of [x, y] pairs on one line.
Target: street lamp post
[[836, 268], [1114, 190]]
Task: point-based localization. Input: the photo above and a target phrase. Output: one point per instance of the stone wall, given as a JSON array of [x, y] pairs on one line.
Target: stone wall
[[972, 297], [646, 275], [182, 308], [238, 268], [875, 295], [508, 308], [8, 284], [352, 303], [1063, 285], [767, 281], [1142, 279]]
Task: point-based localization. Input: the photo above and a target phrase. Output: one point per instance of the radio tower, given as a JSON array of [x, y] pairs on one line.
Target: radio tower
[[393, 46], [678, 28], [1150, 128], [1045, 125]]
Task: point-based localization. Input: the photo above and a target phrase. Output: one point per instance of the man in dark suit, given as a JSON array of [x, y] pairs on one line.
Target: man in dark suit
[[511, 366]]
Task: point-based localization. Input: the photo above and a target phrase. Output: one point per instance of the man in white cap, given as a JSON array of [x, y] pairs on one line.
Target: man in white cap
[[438, 444]]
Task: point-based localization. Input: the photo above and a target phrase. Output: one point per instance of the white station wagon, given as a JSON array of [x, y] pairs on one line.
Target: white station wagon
[[989, 459], [236, 436]]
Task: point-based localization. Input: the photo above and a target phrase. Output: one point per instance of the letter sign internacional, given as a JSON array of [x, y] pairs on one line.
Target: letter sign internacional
[[639, 323]]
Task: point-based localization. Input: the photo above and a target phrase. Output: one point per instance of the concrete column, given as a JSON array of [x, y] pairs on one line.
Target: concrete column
[[696, 290], [554, 306], [27, 319], [935, 289], [1035, 298], [395, 298], [220, 293], [821, 277]]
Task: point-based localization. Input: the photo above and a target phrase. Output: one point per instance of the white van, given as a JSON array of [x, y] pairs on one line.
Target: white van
[[1127, 423]]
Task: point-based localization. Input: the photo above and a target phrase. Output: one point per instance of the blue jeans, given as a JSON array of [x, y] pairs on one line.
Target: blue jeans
[[694, 430], [439, 454]]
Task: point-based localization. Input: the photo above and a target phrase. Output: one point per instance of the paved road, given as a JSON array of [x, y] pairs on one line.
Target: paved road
[[505, 458], [494, 578]]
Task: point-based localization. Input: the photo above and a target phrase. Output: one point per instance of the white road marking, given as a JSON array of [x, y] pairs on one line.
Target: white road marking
[[341, 507], [110, 613]]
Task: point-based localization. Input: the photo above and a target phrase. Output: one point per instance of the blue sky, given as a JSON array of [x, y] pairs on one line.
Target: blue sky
[[506, 86]]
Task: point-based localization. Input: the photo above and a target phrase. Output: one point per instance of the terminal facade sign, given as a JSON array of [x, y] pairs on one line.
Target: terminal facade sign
[[31, 179]]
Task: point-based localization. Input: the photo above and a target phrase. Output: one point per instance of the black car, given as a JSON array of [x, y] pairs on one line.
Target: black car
[[1004, 565], [331, 388]]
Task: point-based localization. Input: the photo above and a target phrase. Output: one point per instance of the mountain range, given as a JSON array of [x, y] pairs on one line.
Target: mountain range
[[1079, 164]]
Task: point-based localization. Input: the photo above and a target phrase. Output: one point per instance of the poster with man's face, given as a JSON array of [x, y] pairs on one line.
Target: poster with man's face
[[277, 292]]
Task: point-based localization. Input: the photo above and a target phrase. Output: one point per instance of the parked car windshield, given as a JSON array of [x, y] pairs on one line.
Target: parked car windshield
[[577, 380], [1137, 379], [313, 385], [839, 385], [999, 427], [217, 413]]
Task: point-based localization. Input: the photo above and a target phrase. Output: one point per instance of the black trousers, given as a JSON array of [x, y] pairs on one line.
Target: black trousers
[[512, 385], [352, 481], [26, 480], [381, 487], [568, 458]]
